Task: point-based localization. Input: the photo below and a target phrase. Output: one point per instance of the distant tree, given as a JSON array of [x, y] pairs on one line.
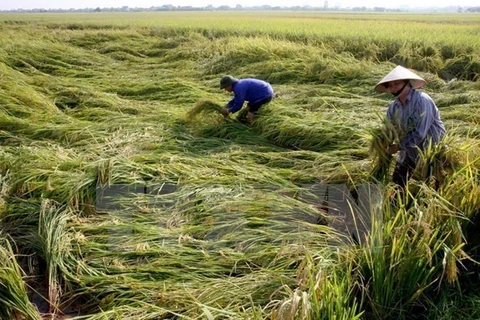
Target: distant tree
[[97, 9], [359, 9], [167, 7]]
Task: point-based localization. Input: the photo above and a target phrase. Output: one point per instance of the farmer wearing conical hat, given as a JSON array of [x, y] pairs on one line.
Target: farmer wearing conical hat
[[414, 115], [256, 92]]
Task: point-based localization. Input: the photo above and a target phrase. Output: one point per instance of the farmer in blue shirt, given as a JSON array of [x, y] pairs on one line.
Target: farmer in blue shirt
[[256, 92], [414, 115]]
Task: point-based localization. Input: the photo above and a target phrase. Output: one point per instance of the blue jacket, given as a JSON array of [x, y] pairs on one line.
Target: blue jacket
[[251, 90]]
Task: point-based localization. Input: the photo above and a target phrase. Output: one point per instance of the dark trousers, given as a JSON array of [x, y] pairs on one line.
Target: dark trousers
[[253, 107]]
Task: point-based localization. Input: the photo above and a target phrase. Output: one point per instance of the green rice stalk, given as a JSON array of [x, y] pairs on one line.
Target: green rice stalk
[[242, 115], [418, 247], [324, 290], [202, 107], [297, 129], [381, 138], [437, 162], [14, 302], [54, 244], [213, 252]]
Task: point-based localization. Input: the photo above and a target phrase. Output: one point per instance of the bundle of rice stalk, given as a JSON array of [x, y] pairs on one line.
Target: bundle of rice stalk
[[438, 162], [53, 245], [382, 138], [202, 107]]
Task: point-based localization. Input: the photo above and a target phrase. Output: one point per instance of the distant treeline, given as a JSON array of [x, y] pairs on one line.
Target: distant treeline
[[254, 8]]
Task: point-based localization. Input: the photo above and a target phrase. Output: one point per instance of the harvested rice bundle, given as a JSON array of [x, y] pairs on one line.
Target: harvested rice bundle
[[204, 106], [437, 162], [382, 138]]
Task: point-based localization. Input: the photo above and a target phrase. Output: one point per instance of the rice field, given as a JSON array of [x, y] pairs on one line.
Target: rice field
[[125, 194]]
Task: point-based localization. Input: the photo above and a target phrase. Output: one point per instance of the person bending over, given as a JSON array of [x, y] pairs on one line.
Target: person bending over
[[256, 92]]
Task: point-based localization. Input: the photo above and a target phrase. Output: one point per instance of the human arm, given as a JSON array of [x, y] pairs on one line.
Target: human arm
[[237, 102]]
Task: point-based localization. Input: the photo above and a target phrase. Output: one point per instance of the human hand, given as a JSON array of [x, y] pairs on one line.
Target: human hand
[[393, 149], [225, 112]]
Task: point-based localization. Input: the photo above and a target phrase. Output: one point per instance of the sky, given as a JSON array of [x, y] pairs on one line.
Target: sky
[[77, 4]]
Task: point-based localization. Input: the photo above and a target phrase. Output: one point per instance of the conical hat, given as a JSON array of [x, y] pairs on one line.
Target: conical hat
[[400, 73]]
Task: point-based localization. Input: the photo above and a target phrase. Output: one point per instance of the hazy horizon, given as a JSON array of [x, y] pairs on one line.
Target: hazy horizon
[[77, 4]]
